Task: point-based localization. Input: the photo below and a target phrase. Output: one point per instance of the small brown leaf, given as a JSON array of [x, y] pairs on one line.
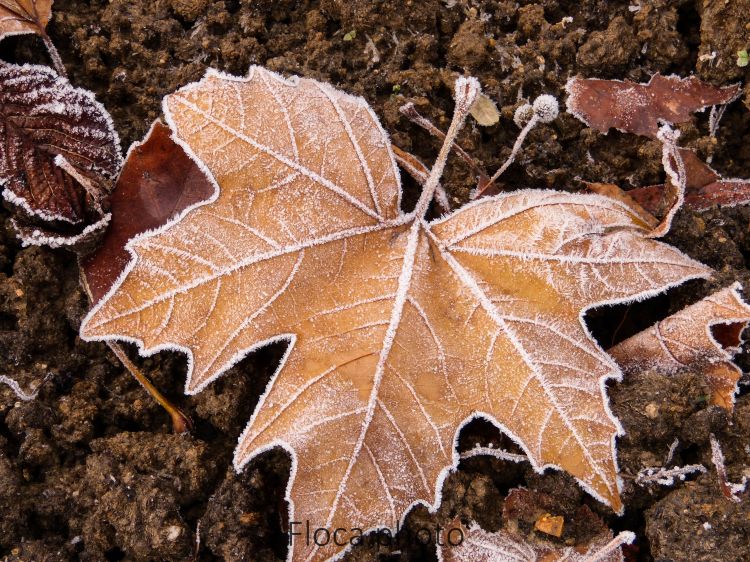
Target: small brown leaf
[[158, 182], [707, 333], [24, 16], [400, 329], [59, 149], [637, 108]]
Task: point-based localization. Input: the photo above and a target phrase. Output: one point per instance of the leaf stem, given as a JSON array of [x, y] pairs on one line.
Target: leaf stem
[[180, 422], [53, 53], [467, 90], [514, 152]]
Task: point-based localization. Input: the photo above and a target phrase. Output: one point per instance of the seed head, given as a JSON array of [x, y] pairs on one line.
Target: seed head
[[546, 108]]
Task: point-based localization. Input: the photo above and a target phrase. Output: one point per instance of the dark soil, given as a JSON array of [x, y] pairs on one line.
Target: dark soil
[[90, 469]]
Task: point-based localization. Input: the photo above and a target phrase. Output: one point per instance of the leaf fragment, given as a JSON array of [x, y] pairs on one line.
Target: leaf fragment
[[613, 191], [707, 333], [400, 330], [484, 111], [639, 108], [59, 149], [24, 16]]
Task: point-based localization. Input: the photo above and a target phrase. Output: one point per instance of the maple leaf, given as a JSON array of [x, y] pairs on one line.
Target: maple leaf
[[400, 330], [707, 333], [59, 149], [639, 108], [24, 16]]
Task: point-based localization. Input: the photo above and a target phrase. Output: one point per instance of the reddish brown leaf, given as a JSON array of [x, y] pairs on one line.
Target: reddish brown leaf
[[157, 182], [705, 334], [728, 193], [705, 188], [24, 16], [47, 127], [637, 108]]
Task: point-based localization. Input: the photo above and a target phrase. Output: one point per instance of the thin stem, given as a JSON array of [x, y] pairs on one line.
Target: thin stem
[[420, 172], [54, 55], [516, 148], [410, 112], [625, 537], [467, 89], [180, 422]]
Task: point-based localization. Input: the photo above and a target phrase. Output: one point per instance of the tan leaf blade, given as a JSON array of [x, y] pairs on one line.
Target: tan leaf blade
[[401, 330], [706, 333], [24, 16]]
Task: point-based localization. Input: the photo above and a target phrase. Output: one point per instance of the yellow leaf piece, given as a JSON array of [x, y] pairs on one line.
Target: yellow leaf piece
[[400, 330], [706, 335], [485, 111], [550, 524]]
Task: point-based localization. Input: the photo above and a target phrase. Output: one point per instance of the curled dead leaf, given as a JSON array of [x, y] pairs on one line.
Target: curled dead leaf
[[400, 330], [58, 156], [706, 334], [705, 188], [639, 108]]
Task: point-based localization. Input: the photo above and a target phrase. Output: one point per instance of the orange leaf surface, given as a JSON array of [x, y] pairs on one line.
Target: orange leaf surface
[[706, 333], [24, 16], [400, 330]]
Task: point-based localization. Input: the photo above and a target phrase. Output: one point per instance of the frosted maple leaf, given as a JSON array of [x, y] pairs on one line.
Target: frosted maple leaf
[[400, 330]]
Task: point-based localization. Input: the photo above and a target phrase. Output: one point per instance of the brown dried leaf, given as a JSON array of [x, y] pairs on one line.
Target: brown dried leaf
[[637, 108], [707, 333], [705, 188], [24, 16], [59, 149], [400, 330], [157, 182], [479, 545]]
